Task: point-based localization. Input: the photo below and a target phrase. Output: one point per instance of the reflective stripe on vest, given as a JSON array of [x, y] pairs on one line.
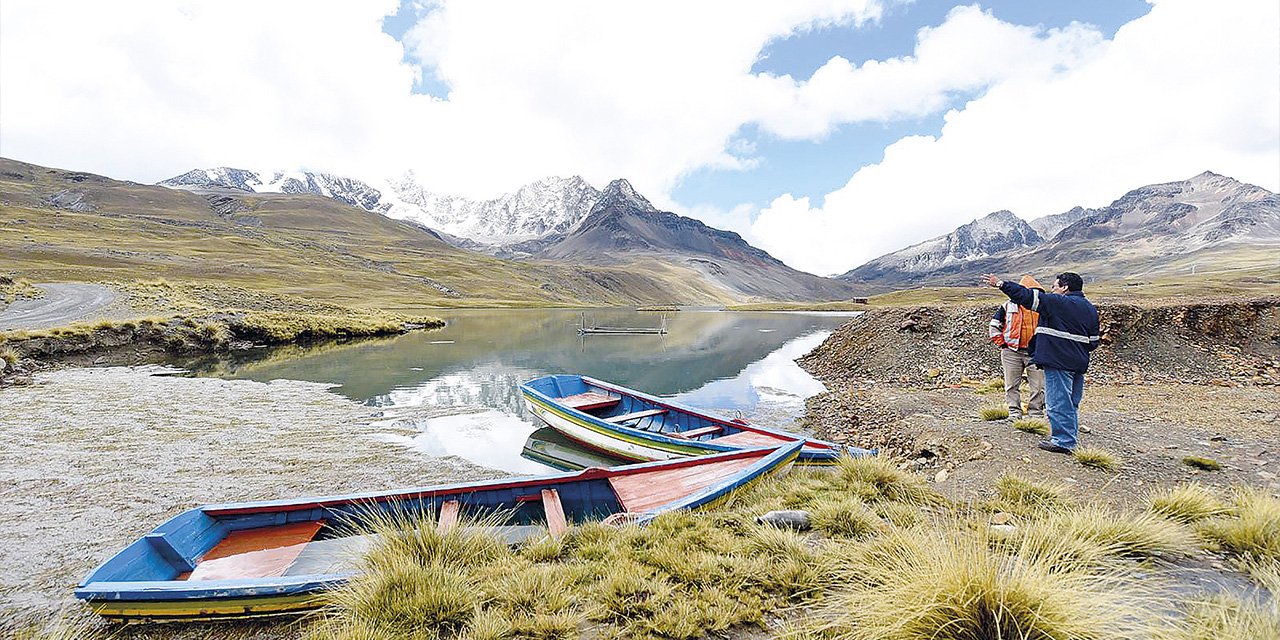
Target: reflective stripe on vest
[[1016, 319]]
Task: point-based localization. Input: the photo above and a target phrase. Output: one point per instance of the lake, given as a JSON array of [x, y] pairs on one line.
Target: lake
[[737, 363]]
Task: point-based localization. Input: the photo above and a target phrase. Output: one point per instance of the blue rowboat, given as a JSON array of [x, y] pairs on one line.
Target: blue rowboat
[[632, 425], [268, 558]]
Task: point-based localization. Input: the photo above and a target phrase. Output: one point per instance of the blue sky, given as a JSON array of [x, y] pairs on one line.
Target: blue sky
[[816, 167], [826, 132]]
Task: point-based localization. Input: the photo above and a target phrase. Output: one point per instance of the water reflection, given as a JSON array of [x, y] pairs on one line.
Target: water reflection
[[739, 363]]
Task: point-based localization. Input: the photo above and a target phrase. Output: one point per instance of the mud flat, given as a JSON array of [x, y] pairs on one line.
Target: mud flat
[[90, 459]]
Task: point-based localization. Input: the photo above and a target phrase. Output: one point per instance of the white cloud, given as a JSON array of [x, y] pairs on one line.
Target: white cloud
[[643, 90], [144, 90], [1187, 88], [969, 51], [650, 91]]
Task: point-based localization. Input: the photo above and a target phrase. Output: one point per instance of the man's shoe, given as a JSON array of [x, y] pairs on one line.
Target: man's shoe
[[1053, 448]]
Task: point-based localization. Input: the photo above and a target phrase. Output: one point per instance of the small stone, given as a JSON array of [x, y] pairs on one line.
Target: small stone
[[789, 519], [1001, 518], [940, 477], [1003, 528]]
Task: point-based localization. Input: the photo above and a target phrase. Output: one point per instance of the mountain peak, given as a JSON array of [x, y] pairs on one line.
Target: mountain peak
[[620, 193]]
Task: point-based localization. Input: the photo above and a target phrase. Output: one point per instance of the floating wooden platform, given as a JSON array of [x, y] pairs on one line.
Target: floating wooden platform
[[624, 330]]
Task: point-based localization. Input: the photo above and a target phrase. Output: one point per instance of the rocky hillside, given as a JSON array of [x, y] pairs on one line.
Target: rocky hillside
[[992, 234], [624, 225], [1208, 220], [1229, 340]]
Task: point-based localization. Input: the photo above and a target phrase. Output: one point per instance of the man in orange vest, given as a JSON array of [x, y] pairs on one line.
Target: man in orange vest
[[1012, 328]]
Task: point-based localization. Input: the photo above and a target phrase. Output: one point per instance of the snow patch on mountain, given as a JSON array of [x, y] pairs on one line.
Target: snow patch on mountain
[[990, 234], [536, 210]]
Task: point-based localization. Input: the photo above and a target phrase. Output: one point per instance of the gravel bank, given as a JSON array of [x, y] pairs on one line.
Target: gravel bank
[[92, 458]]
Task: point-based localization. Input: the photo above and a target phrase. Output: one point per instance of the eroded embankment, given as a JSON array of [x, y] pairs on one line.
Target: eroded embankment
[[92, 458], [1235, 342], [138, 341]]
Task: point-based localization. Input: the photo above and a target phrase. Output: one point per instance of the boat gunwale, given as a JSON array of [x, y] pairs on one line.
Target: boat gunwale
[[706, 415], [770, 458]]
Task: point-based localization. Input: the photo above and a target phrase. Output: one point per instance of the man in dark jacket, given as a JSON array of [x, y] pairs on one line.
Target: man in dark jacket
[[1065, 334]]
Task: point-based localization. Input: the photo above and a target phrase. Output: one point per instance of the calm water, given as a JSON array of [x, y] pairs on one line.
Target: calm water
[[736, 363]]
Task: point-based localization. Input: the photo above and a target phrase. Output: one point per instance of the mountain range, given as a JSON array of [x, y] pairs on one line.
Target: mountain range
[[1208, 221], [561, 220]]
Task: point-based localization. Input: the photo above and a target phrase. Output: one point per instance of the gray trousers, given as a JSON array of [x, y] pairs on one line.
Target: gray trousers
[[1014, 365]]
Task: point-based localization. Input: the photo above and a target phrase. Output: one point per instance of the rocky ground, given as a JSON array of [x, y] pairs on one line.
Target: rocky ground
[[1170, 381]]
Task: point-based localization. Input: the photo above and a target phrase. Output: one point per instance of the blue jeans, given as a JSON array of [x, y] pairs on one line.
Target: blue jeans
[[1062, 392]]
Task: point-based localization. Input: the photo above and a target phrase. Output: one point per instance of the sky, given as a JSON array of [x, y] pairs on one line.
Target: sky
[[827, 132]]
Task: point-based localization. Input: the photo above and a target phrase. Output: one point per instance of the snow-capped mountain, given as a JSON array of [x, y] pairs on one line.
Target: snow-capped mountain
[[1145, 230], [538, 209], [353, 192], [993, 233]]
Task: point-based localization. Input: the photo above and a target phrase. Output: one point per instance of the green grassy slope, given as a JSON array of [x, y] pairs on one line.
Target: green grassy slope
[[59, 225]]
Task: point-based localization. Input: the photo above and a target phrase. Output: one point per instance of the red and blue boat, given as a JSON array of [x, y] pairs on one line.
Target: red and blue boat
[[631, 425], [282, 556]]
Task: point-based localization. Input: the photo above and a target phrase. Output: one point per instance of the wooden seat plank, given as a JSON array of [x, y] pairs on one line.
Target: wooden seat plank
[[448, 515], [589, 400], [694, 433], [750, 439], [555, 513], [626, 417]]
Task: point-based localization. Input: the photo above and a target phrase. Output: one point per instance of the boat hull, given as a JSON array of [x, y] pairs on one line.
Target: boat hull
[[645, 445], [155, 578]]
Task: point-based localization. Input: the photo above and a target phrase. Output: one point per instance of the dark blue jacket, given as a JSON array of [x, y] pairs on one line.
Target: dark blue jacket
[[1068, 327]]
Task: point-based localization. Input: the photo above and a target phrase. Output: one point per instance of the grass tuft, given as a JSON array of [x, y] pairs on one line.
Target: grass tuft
[[1038, 427], [1199, 462], [886, 480], [1186, 503], [991, 385], [409, 599], [1018, 494], [1253, 532], [948, 586], [1132, 535], [844, 518], [994, 413], [1229, 617], [1097, 458]]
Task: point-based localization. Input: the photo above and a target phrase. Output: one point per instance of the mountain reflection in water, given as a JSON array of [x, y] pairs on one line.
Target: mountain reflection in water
[[737, 363]]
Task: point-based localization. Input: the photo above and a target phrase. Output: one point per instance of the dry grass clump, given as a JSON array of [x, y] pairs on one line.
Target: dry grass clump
[[885, 480], [899, 515], [994, 413], [1134, 535], [1023, 496], [1252, 532], [949, 586], [1186, 503], [992, 385], [1097, 457], [417, 580], [12, 289], [1228, 618], [61, 626], [845, 518], [1038, 427], [8, 358], [1200, 462]]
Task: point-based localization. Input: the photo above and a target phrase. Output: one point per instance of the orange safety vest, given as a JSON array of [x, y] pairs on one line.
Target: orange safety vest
[[1019, 327]]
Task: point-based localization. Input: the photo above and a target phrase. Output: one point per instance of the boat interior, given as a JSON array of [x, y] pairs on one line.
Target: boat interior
[[635, 412]]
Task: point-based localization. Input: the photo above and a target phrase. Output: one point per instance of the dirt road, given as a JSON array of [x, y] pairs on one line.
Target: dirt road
[[63, 303]]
